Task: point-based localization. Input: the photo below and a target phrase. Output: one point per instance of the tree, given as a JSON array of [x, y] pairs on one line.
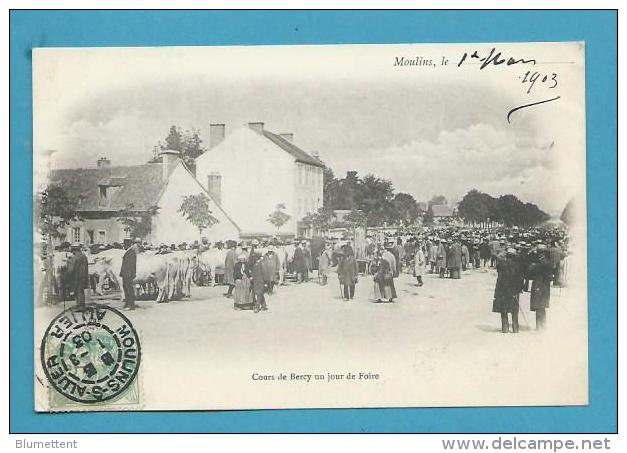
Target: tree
[[406, 208], [279, 217], [375, 199], [138, 224], [319, 221], [475, 207], [188, 143], [174, 140], [438, 200], [195, 209], [356, 218], [56, 210]]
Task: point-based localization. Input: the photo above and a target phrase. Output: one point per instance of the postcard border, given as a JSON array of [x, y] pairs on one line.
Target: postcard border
[[598, 28]]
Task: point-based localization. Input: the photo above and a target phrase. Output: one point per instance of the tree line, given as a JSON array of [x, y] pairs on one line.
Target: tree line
[[481, 208]]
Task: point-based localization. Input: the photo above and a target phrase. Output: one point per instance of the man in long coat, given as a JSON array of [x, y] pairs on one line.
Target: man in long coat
[[347, 273], [324, 262], [229, 266], [454, 259], [79, 274], [259, 284], [128, 273], [419, 264], [509, 284], [485, 251], [541, 272], [270, 270], [441, 258], [433, 256], [299, 263]]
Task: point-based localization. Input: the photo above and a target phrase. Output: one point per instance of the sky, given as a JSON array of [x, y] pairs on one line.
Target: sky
[[429, 135]]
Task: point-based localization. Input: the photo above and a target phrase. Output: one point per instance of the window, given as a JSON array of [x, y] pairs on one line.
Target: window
[[300, 174], [102, 237], [76, 234]]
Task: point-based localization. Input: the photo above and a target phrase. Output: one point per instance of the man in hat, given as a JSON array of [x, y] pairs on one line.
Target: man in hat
[[299, 263], [441, 257], [541, 272], [128, 272], [509, 284], [259, 284], [495, 248], [433, 255], [79, 274], [454, 258]]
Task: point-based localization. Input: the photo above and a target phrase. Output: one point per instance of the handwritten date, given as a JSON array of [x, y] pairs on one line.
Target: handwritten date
[[530, 79]]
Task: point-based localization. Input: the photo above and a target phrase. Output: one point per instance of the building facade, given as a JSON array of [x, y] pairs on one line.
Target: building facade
[[107, 193], [252, 170]]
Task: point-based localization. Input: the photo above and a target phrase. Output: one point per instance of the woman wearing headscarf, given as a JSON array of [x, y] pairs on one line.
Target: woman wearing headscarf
[[242, 273], [383, 271]]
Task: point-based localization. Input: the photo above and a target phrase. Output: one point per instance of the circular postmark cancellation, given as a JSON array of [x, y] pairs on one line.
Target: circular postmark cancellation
[[90, 354]]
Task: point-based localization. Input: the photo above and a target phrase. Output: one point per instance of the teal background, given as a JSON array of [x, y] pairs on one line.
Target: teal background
[[598, 29]]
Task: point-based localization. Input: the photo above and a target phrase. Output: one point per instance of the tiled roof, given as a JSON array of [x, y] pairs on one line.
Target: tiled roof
[[295, 151], [139, 185]]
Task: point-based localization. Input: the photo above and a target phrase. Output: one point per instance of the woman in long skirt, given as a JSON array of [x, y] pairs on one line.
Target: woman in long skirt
[[383, 281], [242, 274]]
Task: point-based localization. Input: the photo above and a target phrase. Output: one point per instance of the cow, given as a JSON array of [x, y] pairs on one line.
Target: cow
[[151, 269], [181, 264]]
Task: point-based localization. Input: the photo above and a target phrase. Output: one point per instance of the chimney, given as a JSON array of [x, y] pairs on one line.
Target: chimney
[[257, 127], [216, 134], [287, 136], [169, 159], [214, 187], [103, 162]]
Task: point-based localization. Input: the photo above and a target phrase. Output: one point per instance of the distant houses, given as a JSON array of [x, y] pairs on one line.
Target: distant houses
[[104, 192]]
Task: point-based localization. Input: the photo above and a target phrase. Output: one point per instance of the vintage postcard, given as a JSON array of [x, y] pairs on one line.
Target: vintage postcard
[[329, 226]]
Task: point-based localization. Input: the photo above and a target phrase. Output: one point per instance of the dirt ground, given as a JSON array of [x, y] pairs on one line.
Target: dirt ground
[[438, 345]]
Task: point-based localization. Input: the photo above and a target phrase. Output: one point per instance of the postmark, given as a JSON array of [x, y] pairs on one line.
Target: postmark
[[91, 354]]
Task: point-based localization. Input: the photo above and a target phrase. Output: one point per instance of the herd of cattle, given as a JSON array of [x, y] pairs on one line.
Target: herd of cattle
[[162, 277]]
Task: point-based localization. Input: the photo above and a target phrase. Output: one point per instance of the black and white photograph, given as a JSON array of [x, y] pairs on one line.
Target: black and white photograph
[[324, 226]]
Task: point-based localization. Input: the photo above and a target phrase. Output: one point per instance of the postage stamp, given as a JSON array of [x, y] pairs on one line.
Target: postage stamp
[[91, 355]]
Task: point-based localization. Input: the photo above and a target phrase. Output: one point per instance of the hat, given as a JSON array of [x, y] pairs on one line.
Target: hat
[[541, 247], [76, 246], [255, 242], [137, 241]]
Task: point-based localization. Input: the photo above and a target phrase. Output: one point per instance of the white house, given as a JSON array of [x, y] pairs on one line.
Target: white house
[[252, 170], [103, 192]]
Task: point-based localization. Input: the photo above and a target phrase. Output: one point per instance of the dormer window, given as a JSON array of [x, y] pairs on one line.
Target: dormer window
[[103, 200]]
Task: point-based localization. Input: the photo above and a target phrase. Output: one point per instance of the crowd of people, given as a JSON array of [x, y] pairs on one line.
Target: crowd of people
[[528, 260]]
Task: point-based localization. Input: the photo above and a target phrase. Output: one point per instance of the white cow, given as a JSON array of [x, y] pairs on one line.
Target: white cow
[[181, 264], [151, 268]]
